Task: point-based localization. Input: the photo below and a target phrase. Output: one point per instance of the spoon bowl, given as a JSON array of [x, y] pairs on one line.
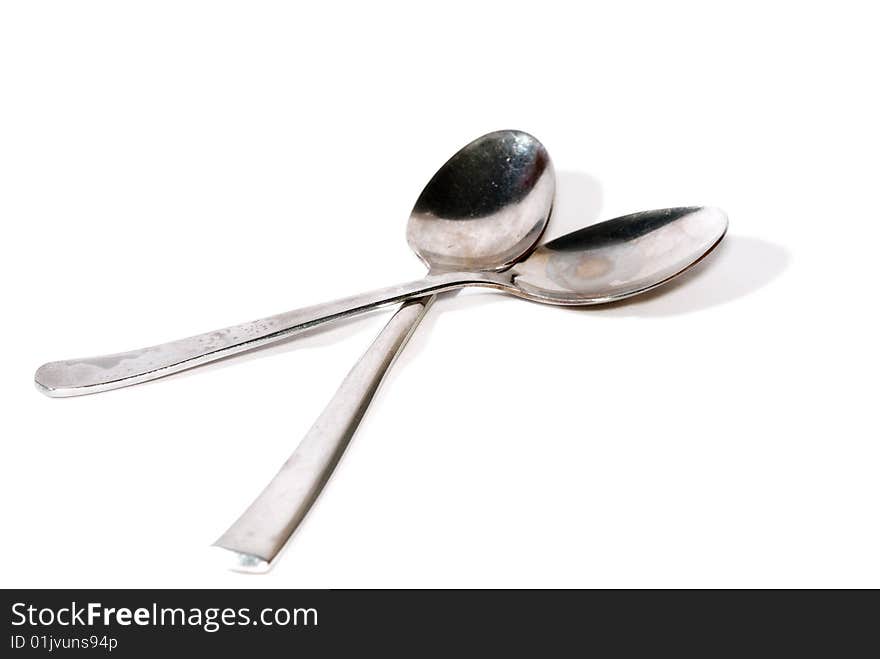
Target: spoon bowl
[[487, 207], [619, 258]]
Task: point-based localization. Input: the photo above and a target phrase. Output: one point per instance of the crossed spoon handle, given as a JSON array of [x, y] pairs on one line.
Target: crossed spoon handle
[[262, 531], [77, 377]]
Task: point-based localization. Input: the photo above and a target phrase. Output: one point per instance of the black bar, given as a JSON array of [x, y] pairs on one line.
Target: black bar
[[419, 622]]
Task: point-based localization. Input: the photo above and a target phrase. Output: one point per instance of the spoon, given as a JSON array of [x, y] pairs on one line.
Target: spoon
[[492, 177], [482, 211], [600, 263]]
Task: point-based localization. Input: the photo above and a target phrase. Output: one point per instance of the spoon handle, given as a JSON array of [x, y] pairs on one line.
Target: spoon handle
[[265, 527], [77, 377]]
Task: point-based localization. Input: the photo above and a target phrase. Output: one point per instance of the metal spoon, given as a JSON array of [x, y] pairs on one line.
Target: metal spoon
[[601, 263], [492, 177], [482, 211]]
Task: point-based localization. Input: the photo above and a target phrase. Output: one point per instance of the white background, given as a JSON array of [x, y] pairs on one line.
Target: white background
[[167, 168]]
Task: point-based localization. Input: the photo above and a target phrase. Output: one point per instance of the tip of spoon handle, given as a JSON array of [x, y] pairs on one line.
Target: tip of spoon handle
[[237, 561], [51, 392], [47, 382]]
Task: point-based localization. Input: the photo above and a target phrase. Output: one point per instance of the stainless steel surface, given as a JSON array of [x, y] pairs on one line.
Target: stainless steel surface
[[262, 531], [481, 211], [471, 186], [77, 377]]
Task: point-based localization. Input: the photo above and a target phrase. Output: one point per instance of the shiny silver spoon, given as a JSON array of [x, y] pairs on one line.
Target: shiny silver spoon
[[482, 211], [600, 263], [634, 254], [494, 178]]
